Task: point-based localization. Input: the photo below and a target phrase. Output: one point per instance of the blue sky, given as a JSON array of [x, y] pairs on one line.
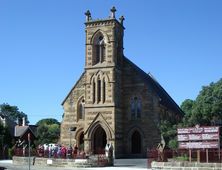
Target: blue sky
[[42, 47]]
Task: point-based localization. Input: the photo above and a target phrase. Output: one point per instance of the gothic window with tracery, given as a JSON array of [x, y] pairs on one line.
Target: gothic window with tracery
[[99, 89], [135, 106]]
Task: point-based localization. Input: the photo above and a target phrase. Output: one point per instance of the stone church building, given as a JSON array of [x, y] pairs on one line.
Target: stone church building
[[114, 101]]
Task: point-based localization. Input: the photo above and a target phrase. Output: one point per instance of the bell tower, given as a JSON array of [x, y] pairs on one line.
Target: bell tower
[[103, 57], [104, 41], [103, 67]]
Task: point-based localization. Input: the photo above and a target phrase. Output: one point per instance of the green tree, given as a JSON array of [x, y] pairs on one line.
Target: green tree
[[48, 121], [169, 132], [187, 107], [12, 112], [5, 137], [207, 108], [48, 131]]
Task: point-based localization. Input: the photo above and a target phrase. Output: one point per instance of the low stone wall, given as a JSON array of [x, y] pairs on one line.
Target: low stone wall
[[185, 166], [37, 161]]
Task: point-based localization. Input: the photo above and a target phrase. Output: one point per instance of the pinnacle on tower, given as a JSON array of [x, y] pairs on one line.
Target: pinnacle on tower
[[121, 19], [113, 10], [88, 16]]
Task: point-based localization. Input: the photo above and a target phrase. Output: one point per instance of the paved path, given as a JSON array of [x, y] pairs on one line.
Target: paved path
[[119, 164]]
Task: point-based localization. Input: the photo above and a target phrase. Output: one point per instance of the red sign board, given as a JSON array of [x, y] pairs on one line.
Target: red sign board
[[198, 137], [210, 129], [198, 145]]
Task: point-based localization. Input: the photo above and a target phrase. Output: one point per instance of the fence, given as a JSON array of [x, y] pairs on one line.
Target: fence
[[214, 155], [65, 154], [99, 158]]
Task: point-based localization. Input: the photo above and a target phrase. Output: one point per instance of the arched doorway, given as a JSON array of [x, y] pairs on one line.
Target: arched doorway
[[136, 143], [81, 141], [99, 140]]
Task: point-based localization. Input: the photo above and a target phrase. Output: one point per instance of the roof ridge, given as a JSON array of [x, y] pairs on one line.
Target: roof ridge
[[150, 77]]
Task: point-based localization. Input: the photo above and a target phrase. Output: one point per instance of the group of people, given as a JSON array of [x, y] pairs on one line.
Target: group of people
[[57, 151]]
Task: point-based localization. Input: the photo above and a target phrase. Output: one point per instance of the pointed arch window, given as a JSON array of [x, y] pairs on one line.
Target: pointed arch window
[[104, 91], [99, 50], [98, 90], [94, 91], [81, 109], [136, 106]]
